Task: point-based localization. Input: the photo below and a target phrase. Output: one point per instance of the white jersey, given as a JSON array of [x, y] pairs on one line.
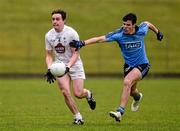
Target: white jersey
[[59, 43]]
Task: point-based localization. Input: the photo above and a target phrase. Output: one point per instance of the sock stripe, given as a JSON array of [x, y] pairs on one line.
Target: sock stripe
[[121, 110]]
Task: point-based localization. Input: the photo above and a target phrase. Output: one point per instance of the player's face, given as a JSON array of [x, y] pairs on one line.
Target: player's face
[[128, 27], [57, 22]]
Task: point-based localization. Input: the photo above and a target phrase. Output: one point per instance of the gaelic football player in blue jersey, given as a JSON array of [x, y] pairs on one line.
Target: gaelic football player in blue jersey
[[130, 39]]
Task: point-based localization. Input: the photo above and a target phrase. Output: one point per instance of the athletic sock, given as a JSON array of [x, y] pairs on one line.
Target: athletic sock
[[88, 94], [121, 110], [78, 116]]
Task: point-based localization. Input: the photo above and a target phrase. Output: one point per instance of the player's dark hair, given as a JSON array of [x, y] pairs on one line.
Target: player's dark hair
[[131, 16], [61, 12]]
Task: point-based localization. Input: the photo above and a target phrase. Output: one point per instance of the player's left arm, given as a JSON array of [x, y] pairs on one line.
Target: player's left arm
[[155, 30], [74, 58], [72, 61]]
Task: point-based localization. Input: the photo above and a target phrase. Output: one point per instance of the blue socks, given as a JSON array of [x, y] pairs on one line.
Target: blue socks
[[121, 110]]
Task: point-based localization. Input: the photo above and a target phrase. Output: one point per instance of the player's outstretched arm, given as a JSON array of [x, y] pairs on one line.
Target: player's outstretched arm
[[99, 39], [79, 44], [158, 33]]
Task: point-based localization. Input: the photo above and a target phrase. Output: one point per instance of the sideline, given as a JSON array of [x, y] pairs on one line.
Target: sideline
[[102, 75]]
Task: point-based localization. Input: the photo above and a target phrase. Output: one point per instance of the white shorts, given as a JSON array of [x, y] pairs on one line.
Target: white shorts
[[76, 72]]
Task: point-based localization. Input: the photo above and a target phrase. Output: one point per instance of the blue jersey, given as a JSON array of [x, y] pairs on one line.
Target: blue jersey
[[132, 46]]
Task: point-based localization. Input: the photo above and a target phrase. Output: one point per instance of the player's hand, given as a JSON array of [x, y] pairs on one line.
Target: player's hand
[[66, 71], [49, 76], [77, 44], [159, 36]]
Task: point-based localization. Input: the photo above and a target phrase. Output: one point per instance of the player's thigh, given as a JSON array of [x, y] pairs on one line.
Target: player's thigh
[[64, 83], [133, 76]]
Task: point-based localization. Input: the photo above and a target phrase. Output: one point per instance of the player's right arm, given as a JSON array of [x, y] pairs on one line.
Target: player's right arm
[[99, 39], [49, 58], [155, 30], [49, 50], [79, 44]]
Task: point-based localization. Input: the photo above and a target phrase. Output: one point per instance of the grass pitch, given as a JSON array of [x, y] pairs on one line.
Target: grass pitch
[[33, 104]]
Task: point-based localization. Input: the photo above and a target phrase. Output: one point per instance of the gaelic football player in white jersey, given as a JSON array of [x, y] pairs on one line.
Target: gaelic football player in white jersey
[[57, 49]]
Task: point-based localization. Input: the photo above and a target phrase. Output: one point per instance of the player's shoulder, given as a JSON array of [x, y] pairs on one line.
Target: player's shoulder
[[69, 28], [117, 31], [50, 32], [143, 28], [143, 24], [70, 32]]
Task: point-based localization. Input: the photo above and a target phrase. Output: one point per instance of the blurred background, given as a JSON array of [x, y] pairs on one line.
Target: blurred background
[[23, 25]]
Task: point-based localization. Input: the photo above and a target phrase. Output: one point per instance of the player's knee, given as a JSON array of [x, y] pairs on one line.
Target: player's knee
[[127, 83], [78, 94], [66, 93]]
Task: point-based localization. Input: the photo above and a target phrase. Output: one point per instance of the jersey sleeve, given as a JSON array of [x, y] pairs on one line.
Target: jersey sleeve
[[143, 28], [112, 36], [47, 43], [73, 35]]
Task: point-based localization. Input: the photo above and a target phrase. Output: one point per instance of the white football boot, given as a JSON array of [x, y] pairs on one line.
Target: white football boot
[[135, 104], [116, 115], [78, 121]]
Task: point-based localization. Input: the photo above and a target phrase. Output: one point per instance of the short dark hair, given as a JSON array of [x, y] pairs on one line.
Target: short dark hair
[[61, 12], [131, 16]]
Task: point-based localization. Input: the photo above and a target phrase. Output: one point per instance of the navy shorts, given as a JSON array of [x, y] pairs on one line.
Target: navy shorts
[[143, 68]]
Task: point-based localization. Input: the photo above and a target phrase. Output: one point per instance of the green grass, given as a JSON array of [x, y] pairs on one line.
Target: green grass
[[33, 104], [23, 25]]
